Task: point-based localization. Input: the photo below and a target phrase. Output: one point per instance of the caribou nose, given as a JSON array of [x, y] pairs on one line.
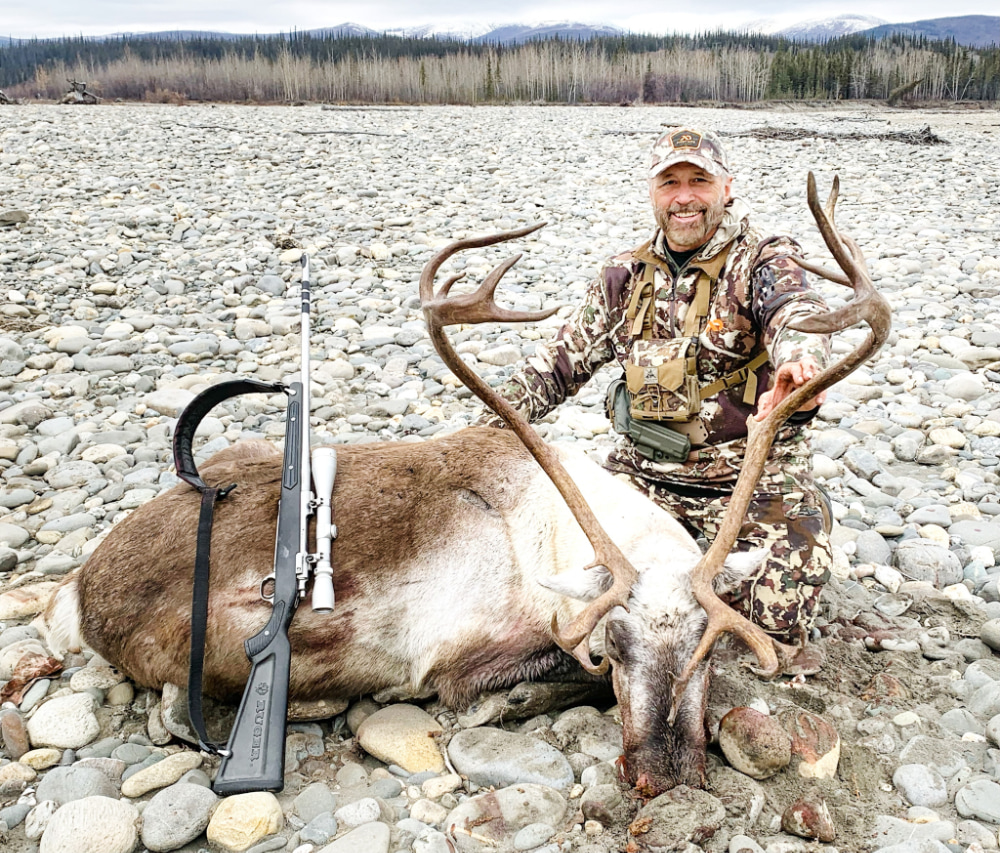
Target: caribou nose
[[647, 787]]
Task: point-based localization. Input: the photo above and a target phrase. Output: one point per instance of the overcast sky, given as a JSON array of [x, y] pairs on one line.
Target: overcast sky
[[47, 18]]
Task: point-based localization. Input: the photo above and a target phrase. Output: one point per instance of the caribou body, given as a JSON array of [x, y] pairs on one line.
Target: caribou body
[[452, 556], [462, 564]]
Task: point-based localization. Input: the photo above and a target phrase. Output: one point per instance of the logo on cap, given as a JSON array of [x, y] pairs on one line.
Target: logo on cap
[[685, 139], [684, 145]]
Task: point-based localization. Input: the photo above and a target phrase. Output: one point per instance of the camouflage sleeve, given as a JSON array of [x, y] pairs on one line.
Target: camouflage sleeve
[[563, 365], [781, 293]]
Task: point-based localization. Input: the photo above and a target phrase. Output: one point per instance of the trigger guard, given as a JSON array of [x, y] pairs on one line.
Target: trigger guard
[[269, 579]]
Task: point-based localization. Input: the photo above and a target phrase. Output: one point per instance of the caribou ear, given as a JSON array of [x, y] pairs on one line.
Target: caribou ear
[[739, 566], [581, 584]]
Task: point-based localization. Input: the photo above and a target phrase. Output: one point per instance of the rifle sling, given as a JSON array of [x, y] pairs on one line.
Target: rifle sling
[[194, 413], [199, 617], [187, 425]]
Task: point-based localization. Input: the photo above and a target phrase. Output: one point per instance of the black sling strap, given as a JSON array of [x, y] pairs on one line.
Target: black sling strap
[[187, 425]]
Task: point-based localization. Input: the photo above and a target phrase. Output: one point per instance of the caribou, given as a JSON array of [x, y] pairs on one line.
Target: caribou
[[463, 564]]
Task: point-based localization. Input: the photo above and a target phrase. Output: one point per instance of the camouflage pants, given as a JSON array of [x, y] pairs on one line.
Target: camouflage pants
[[786, 516]]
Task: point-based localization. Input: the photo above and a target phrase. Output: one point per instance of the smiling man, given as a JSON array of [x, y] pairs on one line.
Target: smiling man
[[698, 318]]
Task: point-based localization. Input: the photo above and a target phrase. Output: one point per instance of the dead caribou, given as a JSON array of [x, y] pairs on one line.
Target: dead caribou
[[457, 566]]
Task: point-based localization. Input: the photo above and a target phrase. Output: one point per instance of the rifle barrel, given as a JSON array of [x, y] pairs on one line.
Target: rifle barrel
[[305, 480]]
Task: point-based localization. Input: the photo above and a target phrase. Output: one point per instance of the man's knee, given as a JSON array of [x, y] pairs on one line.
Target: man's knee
[[783, 596]]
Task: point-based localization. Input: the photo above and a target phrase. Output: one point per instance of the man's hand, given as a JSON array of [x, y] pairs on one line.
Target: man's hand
[[787, 378]]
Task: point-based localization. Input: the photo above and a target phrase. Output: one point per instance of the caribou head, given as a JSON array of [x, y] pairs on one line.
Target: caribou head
[[656, 645]]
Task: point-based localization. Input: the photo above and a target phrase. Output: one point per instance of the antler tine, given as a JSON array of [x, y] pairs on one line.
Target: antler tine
[[825, 215], [479, 306], [831, 236], [594, 613], [868, 305], [434, 264], [446, 287], [822, 272], [831, 201]]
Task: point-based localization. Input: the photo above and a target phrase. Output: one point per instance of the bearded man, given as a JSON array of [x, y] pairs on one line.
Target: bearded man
[[698, 318]]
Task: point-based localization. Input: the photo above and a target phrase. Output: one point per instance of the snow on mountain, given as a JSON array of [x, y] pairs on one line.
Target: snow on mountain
[[506, 33], [764, 26], [519, 33], [976, 30], [828, 28], [467, 31], [818, 29], [344, 30]]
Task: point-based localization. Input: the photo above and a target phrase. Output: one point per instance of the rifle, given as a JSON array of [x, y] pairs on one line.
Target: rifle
[[254, 757]]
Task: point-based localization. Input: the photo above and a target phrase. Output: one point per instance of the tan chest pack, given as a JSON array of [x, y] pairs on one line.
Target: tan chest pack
[[662, 373]]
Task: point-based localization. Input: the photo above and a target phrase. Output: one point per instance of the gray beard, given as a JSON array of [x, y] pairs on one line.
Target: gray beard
[[689, 237]]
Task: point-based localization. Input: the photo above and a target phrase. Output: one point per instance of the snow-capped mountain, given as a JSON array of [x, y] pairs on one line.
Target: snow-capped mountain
[[570, 30], [453, 32], [819, 29], [464, 32], [828, 28], [507, 33], [345, 30]]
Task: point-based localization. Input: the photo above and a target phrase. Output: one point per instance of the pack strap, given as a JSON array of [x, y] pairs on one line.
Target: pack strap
[[639, 313], [747, 374], [186, 427], [641, 309], [199, 617], [698, 309], [708, 275]]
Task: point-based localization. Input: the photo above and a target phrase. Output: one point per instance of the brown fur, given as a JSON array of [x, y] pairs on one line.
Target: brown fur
[[391, 502]]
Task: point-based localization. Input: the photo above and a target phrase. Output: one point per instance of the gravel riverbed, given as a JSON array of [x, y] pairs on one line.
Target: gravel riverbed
[[147, 251]]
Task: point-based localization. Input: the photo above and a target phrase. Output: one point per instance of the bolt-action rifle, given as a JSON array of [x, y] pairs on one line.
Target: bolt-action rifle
[[254, 757]]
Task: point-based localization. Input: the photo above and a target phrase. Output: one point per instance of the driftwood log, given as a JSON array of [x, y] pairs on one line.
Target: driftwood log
[[924, 136], [900, 92], [78, 94]]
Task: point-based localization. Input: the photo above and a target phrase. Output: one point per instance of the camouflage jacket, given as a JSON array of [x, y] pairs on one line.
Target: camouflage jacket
[[757, 291]]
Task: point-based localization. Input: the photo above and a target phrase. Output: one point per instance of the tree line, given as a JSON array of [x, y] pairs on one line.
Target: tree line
[[626, 69]]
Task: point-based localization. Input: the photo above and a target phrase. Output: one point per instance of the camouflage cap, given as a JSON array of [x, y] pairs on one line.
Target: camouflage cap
[[685, 145]]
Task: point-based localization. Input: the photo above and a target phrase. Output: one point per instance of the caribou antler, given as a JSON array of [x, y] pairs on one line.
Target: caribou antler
[[868, 306], [440, 311]]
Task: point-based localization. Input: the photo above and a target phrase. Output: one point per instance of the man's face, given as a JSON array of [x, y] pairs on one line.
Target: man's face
[[688, 204]]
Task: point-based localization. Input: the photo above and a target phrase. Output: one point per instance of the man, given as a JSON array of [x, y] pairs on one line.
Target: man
[[698, 318]]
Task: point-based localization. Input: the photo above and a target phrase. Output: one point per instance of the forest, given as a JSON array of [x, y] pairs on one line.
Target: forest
[[714, 67]]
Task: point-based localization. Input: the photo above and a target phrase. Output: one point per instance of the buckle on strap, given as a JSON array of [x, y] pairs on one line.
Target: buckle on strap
[[736, 378]]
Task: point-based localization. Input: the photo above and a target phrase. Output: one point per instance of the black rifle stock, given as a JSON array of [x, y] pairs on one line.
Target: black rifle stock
[[254, 759]]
